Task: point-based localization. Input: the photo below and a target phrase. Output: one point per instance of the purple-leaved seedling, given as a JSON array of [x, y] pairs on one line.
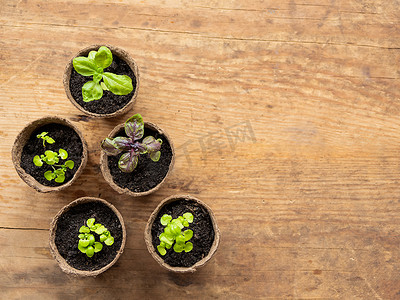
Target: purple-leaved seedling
[[134, 129]]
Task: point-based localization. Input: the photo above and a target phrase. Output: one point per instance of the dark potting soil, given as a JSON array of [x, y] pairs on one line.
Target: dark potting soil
[[66, 238], [203, 233], [147, 173], [109, 103], [65, 138]]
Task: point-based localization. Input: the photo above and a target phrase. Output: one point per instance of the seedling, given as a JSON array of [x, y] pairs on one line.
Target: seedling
[[173, 233], [45, 138], [94, 65], [52, 158], [87, 242], [134, 129]]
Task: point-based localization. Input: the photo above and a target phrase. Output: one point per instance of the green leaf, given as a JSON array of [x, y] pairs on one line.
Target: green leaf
[[161, 250], [178, 223], [84, 229], [167, 240], [91, 91], [63, 154], [84, 66], [165, 219], [185, 223], [41, 135], [82, 249], [91, 239], [100, 230], [37, 161], [134, 127], [92, 54], [103, 57], [60, 178], [51, 157], [49, 175], [90, 251], [109, 241], [151, 143], [84, 243], [118, 84], [178, 247], [175, 229], [155, 156], [90, 222], [188, 216], [188, 247], [128, 162], [50, 140], [168, 246], [188, 234], [103, 86], [81, 236], [70, 164], [103, 237], [98, 246], [180, 239]]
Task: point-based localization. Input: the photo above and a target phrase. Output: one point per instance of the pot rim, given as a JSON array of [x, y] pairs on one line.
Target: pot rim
[[21, 141], [106, 171], [121, 53], [65, 267], [148, 236]]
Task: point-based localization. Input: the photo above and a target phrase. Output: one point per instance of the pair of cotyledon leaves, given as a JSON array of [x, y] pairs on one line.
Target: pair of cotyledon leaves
[[94, 65], [134, 129]]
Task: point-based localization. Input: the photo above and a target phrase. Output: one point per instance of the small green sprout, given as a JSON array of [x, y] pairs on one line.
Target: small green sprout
[[94, 65], [52, 158], [45, 138], [173, 233], [87, 243]]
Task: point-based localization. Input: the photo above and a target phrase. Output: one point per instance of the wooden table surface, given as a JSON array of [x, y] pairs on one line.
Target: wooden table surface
[[285, 116]]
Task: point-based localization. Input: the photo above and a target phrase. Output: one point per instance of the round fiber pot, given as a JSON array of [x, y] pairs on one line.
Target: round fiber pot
[[148, 176], [27, 146], [109, 105], [205, 240], [64, 231]]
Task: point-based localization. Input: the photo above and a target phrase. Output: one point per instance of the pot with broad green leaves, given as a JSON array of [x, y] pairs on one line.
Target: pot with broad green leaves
[[102, 81], [182, 234], [49, 154], [136, 157], [87, 236]]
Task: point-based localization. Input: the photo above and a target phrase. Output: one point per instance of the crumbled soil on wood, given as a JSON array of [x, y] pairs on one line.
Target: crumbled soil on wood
[[147, 173], [203, 233], [66, 237], [109, 103], [65, 138]]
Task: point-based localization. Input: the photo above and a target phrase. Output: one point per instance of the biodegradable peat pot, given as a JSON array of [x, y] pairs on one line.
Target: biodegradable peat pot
[[64, 231], [27, 145], [109, 105], [148, 176], [205, 238]]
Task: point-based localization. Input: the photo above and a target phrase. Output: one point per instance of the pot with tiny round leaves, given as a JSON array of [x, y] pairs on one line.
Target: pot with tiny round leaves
[[87, 236], [49, 154], [182, 234], [102, 81]]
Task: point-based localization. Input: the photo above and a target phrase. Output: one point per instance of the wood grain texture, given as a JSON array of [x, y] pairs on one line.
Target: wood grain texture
[[307, 199]]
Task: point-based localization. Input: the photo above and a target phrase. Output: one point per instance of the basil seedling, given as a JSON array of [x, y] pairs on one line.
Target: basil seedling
[[173, 233], [87, 242], [94, 65], [45, 138], [134, 129], [52, 158]]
